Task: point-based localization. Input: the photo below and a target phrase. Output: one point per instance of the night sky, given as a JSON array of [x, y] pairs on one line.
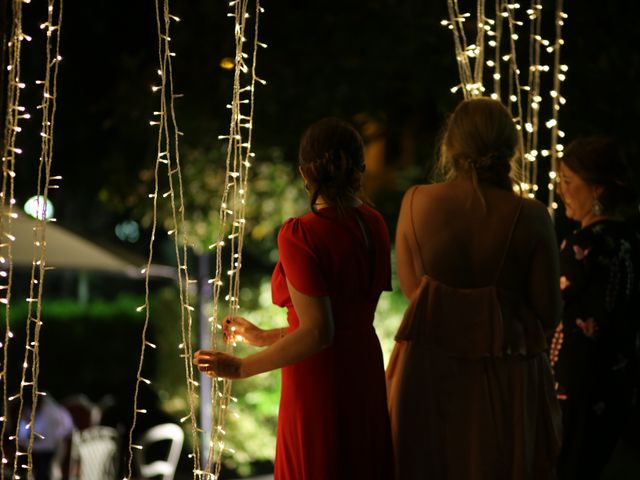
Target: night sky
[[391, 61]]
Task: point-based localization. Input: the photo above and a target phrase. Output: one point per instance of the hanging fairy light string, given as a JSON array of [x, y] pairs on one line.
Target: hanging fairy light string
[[559, 75], [464, 51], [14, 112], [168, 160], [482, 27], [232, 211], [532, 107], [496, 43], [31, 360], [231, 217], [515, 86]]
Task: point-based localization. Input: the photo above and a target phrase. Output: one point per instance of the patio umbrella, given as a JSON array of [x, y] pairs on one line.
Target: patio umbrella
[[68, 250]]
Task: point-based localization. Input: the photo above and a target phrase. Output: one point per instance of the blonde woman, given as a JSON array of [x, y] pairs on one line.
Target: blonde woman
[[470, 388]]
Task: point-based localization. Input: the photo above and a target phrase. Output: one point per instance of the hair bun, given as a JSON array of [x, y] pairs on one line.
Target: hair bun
[[331, 158]]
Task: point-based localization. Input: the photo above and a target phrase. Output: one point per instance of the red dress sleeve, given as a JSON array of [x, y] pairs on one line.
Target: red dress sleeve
[[300, 261]]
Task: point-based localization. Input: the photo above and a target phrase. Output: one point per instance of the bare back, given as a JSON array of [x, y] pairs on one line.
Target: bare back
[[447, 233]]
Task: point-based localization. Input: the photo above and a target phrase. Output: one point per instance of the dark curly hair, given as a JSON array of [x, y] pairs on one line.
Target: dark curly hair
[[598, 160], [331, 158]]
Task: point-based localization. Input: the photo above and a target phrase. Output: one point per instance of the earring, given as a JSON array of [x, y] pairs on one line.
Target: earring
[[597, 207]]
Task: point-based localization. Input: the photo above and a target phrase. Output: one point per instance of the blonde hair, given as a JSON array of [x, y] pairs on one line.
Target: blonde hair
[[481, 141]]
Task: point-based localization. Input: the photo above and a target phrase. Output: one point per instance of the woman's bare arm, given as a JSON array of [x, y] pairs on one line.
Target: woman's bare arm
[[314, 333], [544, 278]]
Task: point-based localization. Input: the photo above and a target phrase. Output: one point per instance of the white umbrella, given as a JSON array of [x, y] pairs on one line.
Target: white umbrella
[[67, 250]]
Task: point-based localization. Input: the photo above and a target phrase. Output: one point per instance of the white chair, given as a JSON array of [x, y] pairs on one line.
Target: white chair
[[165, 467], [94, 453]]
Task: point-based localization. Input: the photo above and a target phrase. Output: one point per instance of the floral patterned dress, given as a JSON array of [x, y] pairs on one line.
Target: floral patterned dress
[[597, 366]]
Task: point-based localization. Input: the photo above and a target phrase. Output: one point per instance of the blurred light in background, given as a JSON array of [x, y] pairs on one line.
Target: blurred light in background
[[128, 231], [227, 63], [35, 207]]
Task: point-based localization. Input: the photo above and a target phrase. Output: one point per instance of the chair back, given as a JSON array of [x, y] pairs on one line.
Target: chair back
[[164, 467], [95, 452]]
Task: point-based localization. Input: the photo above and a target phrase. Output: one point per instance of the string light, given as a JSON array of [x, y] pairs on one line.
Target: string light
[[557, 100], [169, 155], [232, 213], [15, 112]]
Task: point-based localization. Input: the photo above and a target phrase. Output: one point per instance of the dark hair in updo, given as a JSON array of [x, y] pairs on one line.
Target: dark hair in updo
[[599, 161], [331, 158], [480, 140]]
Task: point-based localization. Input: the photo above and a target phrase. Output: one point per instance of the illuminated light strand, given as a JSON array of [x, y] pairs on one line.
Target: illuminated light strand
[[479, 45], [515, 90], [455, 24], [530, 133], [171, 127], [31, 360], [14, 112], [232, 221], [556, 149], [168, 154], [496, 43]]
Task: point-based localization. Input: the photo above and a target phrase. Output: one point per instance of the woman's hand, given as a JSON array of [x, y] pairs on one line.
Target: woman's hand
[[589, 327], [218, 364], [239, 329]]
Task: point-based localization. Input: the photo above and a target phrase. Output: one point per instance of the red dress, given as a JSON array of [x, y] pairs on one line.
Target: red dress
[[333, 422]]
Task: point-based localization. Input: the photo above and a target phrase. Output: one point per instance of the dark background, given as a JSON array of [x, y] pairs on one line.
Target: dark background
[[390, 61]]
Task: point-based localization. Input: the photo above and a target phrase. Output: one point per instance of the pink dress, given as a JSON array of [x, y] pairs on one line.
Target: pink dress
[[471, 394]]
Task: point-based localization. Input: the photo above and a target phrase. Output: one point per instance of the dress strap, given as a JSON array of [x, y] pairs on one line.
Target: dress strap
[[508, 243], [413, 227]]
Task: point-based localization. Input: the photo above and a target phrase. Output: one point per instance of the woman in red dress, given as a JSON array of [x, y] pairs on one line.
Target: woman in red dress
[[334, 263]]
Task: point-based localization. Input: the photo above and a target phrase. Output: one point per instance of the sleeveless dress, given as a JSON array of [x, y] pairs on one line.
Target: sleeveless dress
[[471, 393], [333, 421]]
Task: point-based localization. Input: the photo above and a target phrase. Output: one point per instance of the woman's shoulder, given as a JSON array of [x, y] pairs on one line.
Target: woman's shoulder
[[422, 196], [292, 227], [535, 214], [305, 224], [370, 211], [534, 224], [535, 210]]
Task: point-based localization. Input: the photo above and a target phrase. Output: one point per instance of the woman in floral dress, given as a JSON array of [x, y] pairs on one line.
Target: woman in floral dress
[[597, 368]]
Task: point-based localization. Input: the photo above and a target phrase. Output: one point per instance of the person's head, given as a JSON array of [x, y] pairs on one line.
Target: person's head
[[480, 141], [331, 160], [594, 179]]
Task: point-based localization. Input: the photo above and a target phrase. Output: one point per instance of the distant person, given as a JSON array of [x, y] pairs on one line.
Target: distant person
[[597, 364], [471, 391], [334, 263], [52, 425]]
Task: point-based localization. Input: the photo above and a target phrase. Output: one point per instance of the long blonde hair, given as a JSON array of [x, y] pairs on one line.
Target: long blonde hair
[[481, 141]]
